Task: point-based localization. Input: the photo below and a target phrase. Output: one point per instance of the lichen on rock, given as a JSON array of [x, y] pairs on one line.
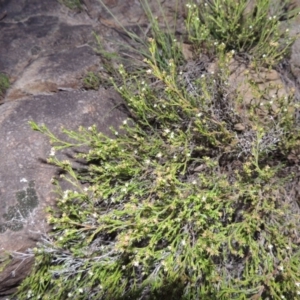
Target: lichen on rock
[[15, 215]]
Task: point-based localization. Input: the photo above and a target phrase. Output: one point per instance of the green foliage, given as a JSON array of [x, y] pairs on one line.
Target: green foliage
[[254, 30], [179, 204], [91, 81], [72, 4], [4, 84]]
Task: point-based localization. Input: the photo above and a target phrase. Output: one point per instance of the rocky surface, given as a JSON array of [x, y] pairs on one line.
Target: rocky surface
[[47, 50]]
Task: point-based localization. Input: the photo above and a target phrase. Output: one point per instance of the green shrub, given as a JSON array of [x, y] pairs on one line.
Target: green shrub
[[179, 204], [252, 28]]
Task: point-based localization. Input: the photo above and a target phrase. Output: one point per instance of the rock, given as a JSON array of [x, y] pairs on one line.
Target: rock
[[61, 71], [25, 181], [43, 48]]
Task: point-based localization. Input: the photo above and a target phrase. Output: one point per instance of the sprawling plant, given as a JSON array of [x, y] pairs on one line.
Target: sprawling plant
[[253, 28], [191, 199]]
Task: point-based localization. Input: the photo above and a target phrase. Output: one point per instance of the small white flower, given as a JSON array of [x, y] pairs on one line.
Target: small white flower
[[155, 105], [194, 182], [264, 55], [183, 243], [23, 180], [203, 198], [116, 132], [172, 135], [70, 295], [175, 157], [123, 267], [250, 26], [143, 82], [159, 155], [147, 161], [174, 40], [180, 73], [125, 122], [90, 128], [86, 189], [80, 290], [202, 76], [270, 246], [261, 103], [297, 284], [66, 193], [280, 268], [167, 130], [136, 263], [149, 71], [287, 30], [52, 152], [298, 292]]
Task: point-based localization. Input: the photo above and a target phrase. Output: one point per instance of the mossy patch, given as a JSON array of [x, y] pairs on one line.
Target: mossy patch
[[15, 215], [72, 4], [4, 84]]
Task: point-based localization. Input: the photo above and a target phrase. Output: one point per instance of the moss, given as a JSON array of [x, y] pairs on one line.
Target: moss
[[72, 4], [5, 259], [4, 84]]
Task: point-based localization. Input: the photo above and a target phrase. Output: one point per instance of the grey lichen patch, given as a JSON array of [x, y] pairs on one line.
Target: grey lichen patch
[[3, 228], [16, 214]]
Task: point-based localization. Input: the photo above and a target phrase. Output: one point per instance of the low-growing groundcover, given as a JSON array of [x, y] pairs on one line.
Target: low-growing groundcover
[[193, 197]]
